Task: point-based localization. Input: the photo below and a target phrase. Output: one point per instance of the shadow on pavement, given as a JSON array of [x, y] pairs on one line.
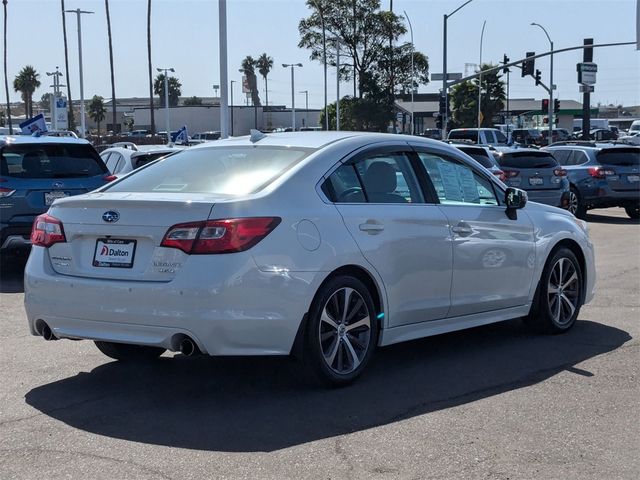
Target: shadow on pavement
[[260, 404], [11, 273], [595, 218]]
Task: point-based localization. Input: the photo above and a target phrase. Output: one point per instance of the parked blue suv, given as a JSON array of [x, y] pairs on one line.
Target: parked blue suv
[[34, 172], [601, 175]]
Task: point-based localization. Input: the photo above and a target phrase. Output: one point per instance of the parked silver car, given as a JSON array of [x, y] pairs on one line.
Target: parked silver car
[[321, 244]]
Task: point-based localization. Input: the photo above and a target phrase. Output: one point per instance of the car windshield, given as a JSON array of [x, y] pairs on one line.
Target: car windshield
[[223, 170], [63, 160], [527, 160], [620, 156]]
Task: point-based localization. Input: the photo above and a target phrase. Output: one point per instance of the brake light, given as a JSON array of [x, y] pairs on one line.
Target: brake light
[[109, 178], [6, 192], [46, 231], [500, 174], [560, 172], [219, 236], [511, 173]]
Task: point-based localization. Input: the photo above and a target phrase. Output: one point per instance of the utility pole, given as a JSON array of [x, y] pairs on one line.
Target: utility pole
[[166, 100], [293, 93], [587, 56], [231, 97], [224, 75], [306, 106], [551, 86], [337, 85], [78, 12]]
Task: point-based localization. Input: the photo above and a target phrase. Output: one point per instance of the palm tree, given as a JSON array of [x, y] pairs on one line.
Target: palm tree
[[6, 79], [72, 123], [26, 83], [265, 64], [97, 110], [153, 121], [174, 89], [248, 69], [113, 85]]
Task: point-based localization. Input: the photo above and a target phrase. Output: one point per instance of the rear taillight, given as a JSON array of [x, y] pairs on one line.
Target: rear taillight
[[6, 192], [109, 178], [46, 231], [511, 173], [560, 172], [500, 174], [219, 236], [601, 173]]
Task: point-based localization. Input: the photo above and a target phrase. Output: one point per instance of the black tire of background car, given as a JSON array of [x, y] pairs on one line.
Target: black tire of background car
[[633, 212], [581, 211]]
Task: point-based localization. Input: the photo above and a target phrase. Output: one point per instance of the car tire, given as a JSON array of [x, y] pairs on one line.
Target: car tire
[[129, 353], [633, 212], [341, 332], [576, 206], [559, 296]]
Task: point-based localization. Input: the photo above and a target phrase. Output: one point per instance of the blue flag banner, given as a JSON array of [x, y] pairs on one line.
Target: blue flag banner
[[181, 135], [36, 124]]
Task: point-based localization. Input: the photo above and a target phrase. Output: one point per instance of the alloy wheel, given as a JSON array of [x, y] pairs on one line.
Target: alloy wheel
[[345, 330], [573, 202], [563, 291]]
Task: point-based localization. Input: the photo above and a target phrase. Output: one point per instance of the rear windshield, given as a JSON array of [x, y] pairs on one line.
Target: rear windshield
[[142, 159], [527, 160], [479, 156], [51, 161], [620, 156], [464, 135], [221, 170]]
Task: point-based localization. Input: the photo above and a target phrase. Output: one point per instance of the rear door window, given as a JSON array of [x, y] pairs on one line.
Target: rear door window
[[65, 160], [489, 136]]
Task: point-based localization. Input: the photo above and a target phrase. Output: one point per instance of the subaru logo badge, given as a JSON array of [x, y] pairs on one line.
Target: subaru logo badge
[[58, 185], [110, 216]]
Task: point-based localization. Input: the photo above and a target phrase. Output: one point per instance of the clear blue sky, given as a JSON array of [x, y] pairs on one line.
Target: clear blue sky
[[185, 36]]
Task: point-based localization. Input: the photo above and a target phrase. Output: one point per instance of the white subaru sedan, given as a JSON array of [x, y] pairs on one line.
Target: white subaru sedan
[[325, 245]]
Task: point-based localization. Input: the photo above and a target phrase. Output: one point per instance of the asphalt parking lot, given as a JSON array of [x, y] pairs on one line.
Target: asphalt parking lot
[[495, 402]]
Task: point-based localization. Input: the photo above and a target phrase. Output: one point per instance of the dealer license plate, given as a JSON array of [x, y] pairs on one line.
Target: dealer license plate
[[50, 197], [536, 181], [114, 252]]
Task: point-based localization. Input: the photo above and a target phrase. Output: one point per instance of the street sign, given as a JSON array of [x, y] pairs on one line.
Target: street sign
[[587, 73], [450, 76], [586, 88]]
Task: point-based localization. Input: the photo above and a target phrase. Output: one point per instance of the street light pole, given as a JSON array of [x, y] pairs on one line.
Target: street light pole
[[413, 128], [445, 119], [293, 93], [337, 85], [166, 99], [231, 96], [551, 112], [306, 107], [79, 12], [324, 62], [56, 93], [480, 82]]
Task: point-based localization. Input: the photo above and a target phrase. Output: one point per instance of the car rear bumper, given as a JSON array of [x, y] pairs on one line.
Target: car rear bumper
[[15, 236], [243, 311]]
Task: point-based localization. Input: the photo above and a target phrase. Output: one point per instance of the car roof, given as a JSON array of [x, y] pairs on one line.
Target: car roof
[[43, 140], [518, 150]]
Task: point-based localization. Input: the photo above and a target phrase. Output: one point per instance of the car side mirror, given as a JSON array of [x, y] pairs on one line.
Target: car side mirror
[[514, 198]]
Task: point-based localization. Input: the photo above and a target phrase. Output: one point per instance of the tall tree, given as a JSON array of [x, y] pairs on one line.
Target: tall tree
[[361, 29], [265, 64], [174, 89], [72, 123], [45, 101], [113, 85], [248, 69], [153, 121], [6, 78], [464, 99], [97, 110], [26, 82]]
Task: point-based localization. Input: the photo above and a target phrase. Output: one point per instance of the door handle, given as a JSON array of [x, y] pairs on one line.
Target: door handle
[[371, 227], [462, 229]]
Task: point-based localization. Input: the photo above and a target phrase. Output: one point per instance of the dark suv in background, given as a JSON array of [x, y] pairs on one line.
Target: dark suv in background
[[600, 175], [34, 172]]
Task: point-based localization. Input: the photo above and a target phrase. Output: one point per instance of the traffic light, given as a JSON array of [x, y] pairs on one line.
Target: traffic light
[[538, 78], [505, 60], [439, 121], [545, 105], [444, 104], [528, 65], [556, 105]]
